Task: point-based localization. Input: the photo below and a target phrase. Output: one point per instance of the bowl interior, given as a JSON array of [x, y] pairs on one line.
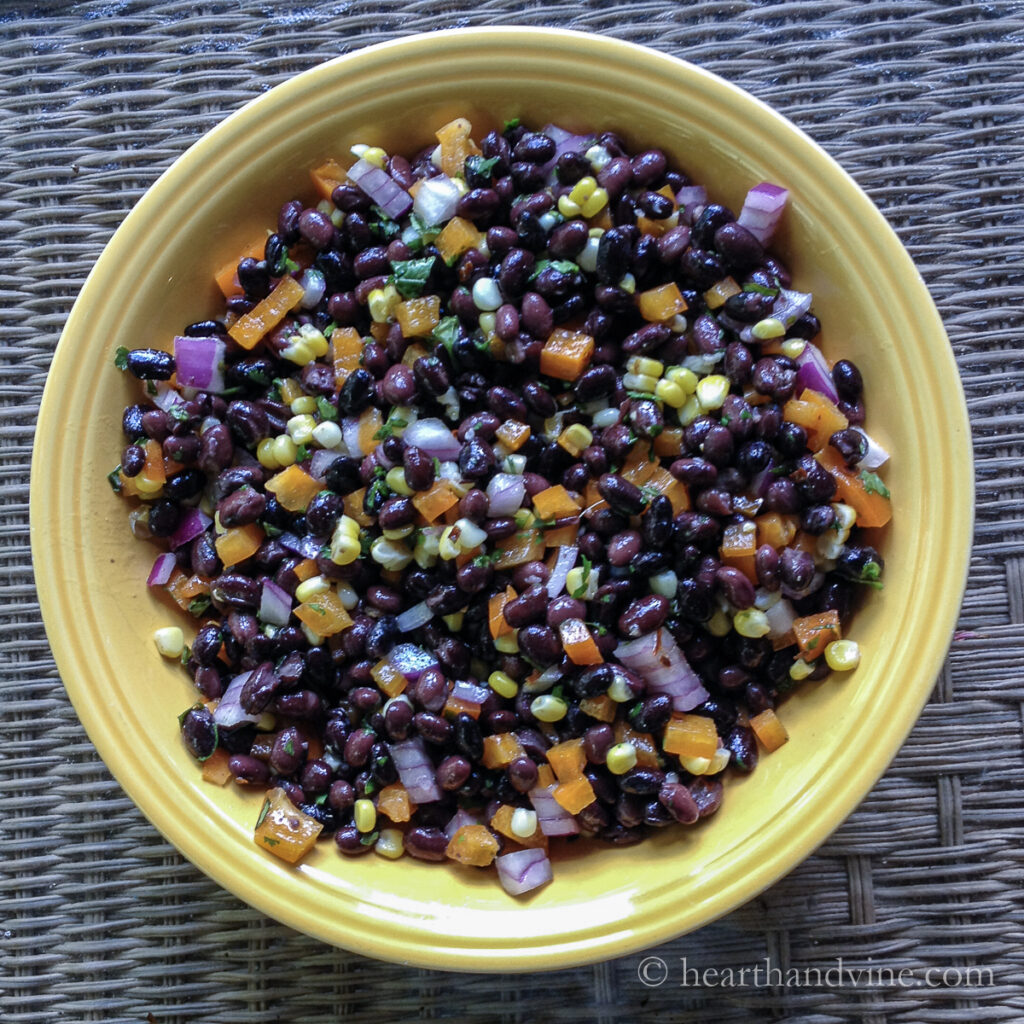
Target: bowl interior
[[156, 276]]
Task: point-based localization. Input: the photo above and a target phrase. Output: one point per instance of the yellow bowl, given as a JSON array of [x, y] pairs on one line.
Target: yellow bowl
[[155, 276]]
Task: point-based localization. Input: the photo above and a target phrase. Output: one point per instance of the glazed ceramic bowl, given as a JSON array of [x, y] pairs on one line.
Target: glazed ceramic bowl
[[155, 276]]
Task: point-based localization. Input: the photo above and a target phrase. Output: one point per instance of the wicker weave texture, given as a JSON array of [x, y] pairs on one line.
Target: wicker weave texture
[[923, 102]]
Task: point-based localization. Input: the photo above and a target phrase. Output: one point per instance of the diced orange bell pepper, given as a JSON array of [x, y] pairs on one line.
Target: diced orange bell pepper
[[306, 569], [769, 730], [566, 354], [153, 469], [500, 750], [545, 776], [327, 177], [513, 434], [324, 614], [669, 442], [578, 643], [642, 742], [250, 329], [239, 543], [602, 708], [184, 589], [567, 760], [817, 415], [294, 488], [284, 830], [690, 736], [216, 769], [458, 236], [575, 795], [561, 536], [716, 295], [388, 678], [873, 507], [675, 490], [455, 706], [739, 545], [456, 145], [661, 303], [412, 353], [226, 275], [501, 822], [354, 507], [815, 632], [418, 317], [394, 801], [370, 422], [474, 845], [525, 546], [433, 503], [776, 530], [555, 503], [495, 613], [379, 331], [347, 346]]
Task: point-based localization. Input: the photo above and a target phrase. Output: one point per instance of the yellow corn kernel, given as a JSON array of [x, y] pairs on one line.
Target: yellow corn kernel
[[621, 758], [170, 641], [300, 429], [547, 708], [583, 190], [395, 479], [146, 486], [800, 670], [381, 303], [265, 454], [768, 328], [399, 532], [503, 684], [575, 438], [390, 843], [285, 451], [454, 621], [314, 340], [690, 411], [639, 382], [375, 155], [792, 348], [308, 589], [348, 526], [595, 204], [719, 624], [297, 352], [347, 595], [390, 554], [567, 208], [344, 549], [508, 643], [448, 548], [290, 390], [695, 765], [303, 404], [842, 655], [712, 391], [685, 378], [670, 393], [523, 823], [364, 814], [751, 623], [646, 365]]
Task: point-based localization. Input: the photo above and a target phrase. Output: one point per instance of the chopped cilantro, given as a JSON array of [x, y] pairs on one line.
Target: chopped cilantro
[[813, 644], [761, 289], [271, 531], [746, 415], [724, 421], [515, 122], [198, 605], [437, 466], [329, 329], [383, 226], [301, 453], [482, 167], [541, 524], [321, 800], [642, 395], [390, 425], [268, 841], [582, 588], [318, 608], [114, 479], [446, 332], [264, 811], [289, 265], [564, 266], [179, 413], [151, 387], [870, 576], [121, 358], [326, 410], [368, 840], [186, 653], [289, 747], [485, 561], [369, 788], [873, 483], [649, 492], [365, 542], [410, 276]]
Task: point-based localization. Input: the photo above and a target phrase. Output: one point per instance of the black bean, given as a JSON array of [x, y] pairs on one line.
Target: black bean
[[696, 473], [646, 339], [216, 449], [652, 713], [163, 518], [316, 228], [848, 380], [540, 645], [717, 446], [648, 168], [739, 247], [476, 459], [529, 606], [453, 772], [851, 444], [356, 393], [426, 843], [711, 218], [624, 497], [382, 637], [646, 418], [248, 770], [615, 176], [199, 732], [644, 615], [742, 747], [678, 801], [430, 691], [514, 272], [398, 715], [349, 841], [796, 568], [150, 364], [817, 519], [766, 565]]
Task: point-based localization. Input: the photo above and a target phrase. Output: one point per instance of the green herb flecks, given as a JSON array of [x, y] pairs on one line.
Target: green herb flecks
[[121, 358], [410, 276], [873, 484], [326, 410]]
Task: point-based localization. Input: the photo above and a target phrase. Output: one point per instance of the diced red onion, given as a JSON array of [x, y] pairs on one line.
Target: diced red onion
[[659, 660], [381, 188], [469, 693], [162, 569], [166, 397], [415, 770], [321, 461], [229, 711], [780, 618], [691, 199], [433, 438], [350, 437], [315, 284], [565, 142], [460, 819], [192, 523], [552, 817], [275, 604], [199, 363], [505, 493], [814, 373], [436, 200], [523, 870], [414, 617], [563, 563], [876, 455], [411, 660], [762, 210]]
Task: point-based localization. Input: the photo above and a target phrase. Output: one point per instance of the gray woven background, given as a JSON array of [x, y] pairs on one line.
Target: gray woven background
[[923, 102]]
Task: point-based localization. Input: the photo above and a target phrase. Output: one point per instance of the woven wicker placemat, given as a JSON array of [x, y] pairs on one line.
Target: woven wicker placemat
[[100, 920]]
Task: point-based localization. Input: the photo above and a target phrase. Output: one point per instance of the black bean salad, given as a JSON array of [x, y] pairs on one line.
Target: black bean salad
[[509, 495]]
